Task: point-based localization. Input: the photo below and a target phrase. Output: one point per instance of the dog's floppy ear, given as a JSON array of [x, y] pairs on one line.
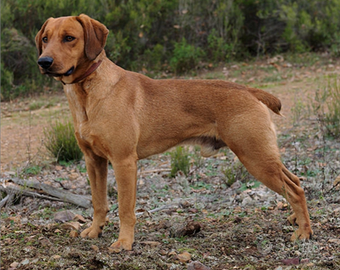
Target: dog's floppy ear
[[95, 35], [38, 37]]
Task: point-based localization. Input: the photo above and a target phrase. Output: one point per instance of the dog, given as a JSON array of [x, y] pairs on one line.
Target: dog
[[122, 116]]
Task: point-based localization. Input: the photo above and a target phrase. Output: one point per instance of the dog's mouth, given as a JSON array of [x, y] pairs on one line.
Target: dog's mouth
[[52, 74]]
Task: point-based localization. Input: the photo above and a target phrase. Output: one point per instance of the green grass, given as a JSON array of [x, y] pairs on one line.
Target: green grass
[[61, 143]]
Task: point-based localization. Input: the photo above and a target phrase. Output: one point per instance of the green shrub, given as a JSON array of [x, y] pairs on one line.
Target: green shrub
[[61, 143], [219, 50], [185, 57], [6, 82], [179, 161], [142, 33], [236, 171], [154, 57]]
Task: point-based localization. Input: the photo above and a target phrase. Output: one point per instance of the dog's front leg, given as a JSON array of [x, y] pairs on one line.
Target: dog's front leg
[[97, 171], [126, 177]]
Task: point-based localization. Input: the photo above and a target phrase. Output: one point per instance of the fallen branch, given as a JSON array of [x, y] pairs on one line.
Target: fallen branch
[[142, 173], [157, 209], [39, 190]]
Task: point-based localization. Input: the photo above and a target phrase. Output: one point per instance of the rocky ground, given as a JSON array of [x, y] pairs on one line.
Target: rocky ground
[[217, 217]]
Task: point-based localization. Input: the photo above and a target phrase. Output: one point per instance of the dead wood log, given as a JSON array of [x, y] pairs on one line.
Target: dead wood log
[[39, 190]]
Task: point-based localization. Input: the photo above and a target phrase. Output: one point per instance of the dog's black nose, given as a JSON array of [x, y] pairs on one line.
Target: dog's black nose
[[45, 62]]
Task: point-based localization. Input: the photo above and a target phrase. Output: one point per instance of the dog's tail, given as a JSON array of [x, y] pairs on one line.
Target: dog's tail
[[269, 100]]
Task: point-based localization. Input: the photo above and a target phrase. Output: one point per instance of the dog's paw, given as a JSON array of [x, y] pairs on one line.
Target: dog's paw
[[91, 232], [300, 234], [292, 219], [122, 245]]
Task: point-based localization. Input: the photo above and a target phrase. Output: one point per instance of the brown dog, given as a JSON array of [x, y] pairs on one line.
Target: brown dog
[[121, 117]]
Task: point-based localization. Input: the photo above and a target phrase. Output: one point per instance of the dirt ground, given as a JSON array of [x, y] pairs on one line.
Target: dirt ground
[[239, 225]]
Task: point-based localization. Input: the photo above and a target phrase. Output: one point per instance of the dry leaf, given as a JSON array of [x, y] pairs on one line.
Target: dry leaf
[[151, 243], [73, 176], [184, 257], [73, 234], [196, 265], [336, 181], [95, 248], [56, 257], [79, 218], [172, 253], [14, 264], [73, 225]]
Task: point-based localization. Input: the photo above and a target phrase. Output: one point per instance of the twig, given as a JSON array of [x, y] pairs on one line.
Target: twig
[[4, 200], [154, 171], [157, 209]]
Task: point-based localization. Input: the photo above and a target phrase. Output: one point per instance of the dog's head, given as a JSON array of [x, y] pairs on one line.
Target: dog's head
[[67, 46]]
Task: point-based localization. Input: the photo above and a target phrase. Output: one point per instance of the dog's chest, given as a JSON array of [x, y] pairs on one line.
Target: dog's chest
[[77, 104]]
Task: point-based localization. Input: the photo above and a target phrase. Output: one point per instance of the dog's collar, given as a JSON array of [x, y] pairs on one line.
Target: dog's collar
[[87, 73]]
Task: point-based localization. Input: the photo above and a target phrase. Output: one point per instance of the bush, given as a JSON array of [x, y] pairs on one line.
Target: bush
[[61, 143], [6, 82], [180, 161], [144, 33], [185, 57]]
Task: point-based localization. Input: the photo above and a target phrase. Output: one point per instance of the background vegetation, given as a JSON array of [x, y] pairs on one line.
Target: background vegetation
[[169, 35]]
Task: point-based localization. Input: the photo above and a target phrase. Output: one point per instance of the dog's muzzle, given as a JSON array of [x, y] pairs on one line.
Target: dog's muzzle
[[45, 62]]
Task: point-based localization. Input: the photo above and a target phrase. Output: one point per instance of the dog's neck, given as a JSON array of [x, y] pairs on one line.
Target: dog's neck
[[86, 74]]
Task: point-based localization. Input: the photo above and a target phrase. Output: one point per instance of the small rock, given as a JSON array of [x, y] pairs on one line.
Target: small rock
[[196, 265], [304, 261], [247, 201], [25, 261], [293, 261], [190, 229], [184, 257], [64, 216]]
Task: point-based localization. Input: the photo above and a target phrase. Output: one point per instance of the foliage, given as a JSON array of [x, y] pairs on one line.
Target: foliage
[[185, 57], [60, 141], [179, 161], [327, 107], [154, 34]]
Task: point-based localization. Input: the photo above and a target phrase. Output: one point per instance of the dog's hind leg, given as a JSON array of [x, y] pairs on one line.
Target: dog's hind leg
[[274, 175], [256, 147]]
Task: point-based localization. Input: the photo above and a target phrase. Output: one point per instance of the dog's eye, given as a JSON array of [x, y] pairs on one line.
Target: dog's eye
[[69, 38], [44, 39]]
